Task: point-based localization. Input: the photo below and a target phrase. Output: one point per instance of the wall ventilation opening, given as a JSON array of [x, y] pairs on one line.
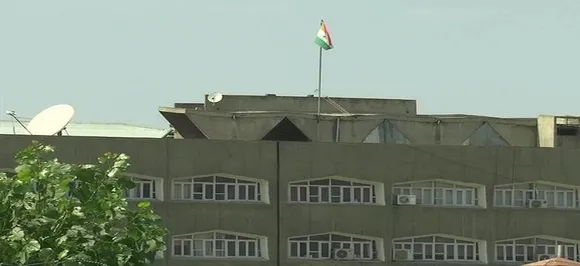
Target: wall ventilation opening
[[567, 131], [285, 130]]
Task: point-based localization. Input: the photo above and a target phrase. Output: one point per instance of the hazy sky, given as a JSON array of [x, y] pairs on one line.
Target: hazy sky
[[118, 61]]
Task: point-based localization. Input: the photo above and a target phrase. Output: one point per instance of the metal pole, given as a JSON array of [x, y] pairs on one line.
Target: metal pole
[[319, 78], [319, 93]]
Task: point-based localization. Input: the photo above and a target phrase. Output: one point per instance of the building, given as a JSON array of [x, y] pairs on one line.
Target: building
[[361, 120], [290, 203]]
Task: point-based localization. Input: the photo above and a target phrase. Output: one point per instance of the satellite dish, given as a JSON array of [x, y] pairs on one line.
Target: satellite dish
[[51, 120], [215, 97]]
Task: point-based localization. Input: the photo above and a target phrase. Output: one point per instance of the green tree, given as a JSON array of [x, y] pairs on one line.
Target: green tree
[[55, 213]]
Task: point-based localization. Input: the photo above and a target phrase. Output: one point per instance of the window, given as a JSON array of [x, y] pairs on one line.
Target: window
[[442, 193], [219, 244], [520, 195], [323, 246], [532, 248], [220, 188], [336, 190], [146, 188], [438, 248]]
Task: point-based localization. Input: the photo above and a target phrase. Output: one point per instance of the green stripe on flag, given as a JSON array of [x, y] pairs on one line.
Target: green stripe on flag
[[322, 43]]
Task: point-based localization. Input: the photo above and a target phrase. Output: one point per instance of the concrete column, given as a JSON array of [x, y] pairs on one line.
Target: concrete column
[[546, 131]]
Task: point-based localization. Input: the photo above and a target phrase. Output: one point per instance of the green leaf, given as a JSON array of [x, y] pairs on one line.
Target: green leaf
[[24, 174], [62, 254], [144, 204], [16, 234], [32, 246]]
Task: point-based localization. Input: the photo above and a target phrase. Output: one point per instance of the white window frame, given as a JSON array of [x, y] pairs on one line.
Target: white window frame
[[447, 250], [526, 249], [307, 191], [443, 193], [155, 187], [314, 246], [514, 196], [192, 189], [218, 246]]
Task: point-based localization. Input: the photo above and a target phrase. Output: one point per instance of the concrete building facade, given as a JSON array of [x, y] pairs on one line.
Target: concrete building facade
[[303, 203]]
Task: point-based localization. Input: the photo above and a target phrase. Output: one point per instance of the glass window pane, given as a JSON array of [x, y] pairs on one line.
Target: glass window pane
[[187, 247], [208, 191], [251, 192], [293, 249], [570, 199], [428, 196], [508, 198], [208, 248], [177, 191], [324, 194], [303, 194], [220, 188], [448, 197], [459, 197], [335, 191], [346, 196], [366, 197], [242, 249], [231, 191], [357, 194], [303, 250], [560, 199], [325, 250], [469, 197], [242, 192], [231, 248], [146, 190], [187, 191], [177, 247]]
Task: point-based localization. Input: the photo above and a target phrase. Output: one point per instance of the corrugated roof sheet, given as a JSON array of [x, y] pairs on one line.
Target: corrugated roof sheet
[[92, 129]]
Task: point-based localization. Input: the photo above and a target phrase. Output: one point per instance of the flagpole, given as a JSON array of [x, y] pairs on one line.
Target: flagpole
[[319, 78], [319, 92]]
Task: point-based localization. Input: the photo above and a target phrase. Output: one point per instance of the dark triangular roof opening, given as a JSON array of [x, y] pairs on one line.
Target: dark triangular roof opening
[[183, 126], [285, 130]]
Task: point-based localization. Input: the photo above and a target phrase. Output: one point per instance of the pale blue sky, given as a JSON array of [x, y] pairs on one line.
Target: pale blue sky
[[117, 61]]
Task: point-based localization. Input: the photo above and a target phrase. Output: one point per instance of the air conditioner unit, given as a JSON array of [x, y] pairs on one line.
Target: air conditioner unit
[[538, 204], [343, 254], [406, 199], [402, 254], [544, 257]]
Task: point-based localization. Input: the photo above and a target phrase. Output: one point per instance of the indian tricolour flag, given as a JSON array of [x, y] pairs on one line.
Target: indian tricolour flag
[[323, 39]]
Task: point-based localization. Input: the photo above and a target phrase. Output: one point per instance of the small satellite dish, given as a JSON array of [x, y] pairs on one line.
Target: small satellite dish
[[51, 120], [215, 97]]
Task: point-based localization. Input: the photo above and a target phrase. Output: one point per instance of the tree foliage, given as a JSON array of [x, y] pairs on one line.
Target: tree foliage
[[54, 213]]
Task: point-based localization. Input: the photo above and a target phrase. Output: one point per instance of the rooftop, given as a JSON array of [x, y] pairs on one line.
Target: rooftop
[[8, 127]]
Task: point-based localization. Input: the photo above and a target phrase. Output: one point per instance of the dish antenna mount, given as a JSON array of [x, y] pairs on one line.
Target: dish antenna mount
[[215, 97], [12, 114]]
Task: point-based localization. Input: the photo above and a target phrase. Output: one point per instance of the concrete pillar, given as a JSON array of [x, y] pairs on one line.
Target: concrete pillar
[[546, 131]]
